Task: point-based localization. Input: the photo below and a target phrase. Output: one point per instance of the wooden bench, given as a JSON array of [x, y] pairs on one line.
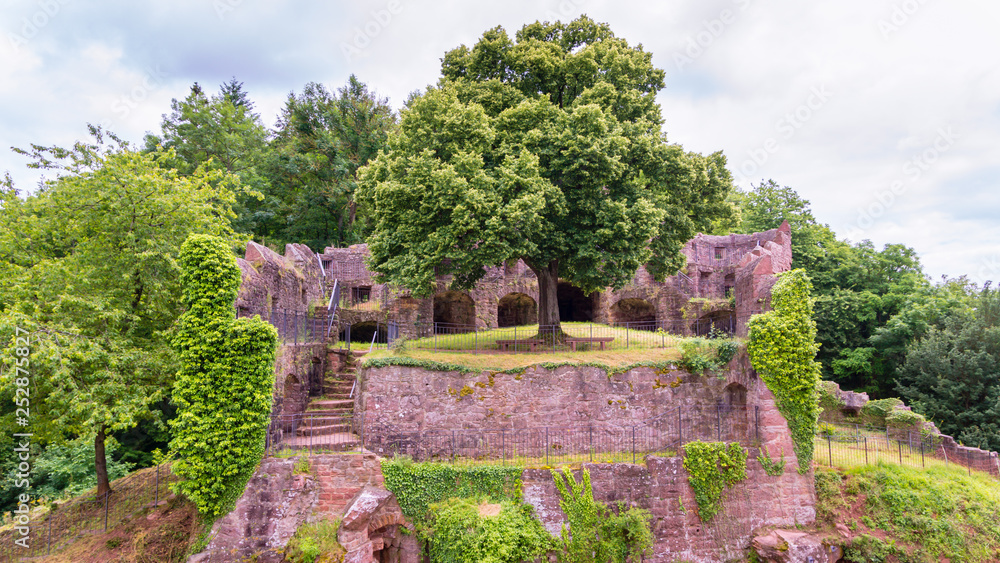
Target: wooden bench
[[573, 341], [505, 345]]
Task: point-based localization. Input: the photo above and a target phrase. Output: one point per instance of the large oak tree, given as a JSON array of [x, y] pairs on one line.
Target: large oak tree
[[548, 148]]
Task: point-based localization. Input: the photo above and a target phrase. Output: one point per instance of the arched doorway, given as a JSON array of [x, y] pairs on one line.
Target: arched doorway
[[637, 313], [574, 305], [364, 331], [516, 309], [716, 322], [455, 310]]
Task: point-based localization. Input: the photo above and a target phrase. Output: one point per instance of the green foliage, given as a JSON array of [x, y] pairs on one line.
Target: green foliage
[[713, 467], [900, 418], [702, 355], [782, 347], [597, 533], [830, 505], [876, 412], [223, 389], [418, 485], [545, 147], [460, 533], [952, 375], [89, 268], [935, 512], [315, 543], [870, 549], [771, 467]]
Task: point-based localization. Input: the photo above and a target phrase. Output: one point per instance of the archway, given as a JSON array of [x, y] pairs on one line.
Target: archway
[[364, 331], [716, 322], [455, 311], [574, 305], [516, 309], [638, 313]]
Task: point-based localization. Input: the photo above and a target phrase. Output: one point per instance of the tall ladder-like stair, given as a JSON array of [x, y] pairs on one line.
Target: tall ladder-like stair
[[327, 423]]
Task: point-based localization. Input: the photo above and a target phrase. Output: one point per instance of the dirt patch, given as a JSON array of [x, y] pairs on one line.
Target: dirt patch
[[489, 509]]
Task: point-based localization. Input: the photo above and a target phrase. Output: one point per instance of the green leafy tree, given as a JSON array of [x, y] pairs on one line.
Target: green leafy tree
[[94, 278], [952, 374], [221, 132], [782, 347], [547, 148], [322, 139], [223, 388]]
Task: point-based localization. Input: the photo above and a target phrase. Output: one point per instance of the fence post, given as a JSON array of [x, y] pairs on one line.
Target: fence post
[[756, 421], [503, 446], [107, 497], [945, 452], [591, 432], [626, 336], [718, 420], [633, 445], [922, 462], [546, 445], [899, 443], [866, 450], [829, 448]]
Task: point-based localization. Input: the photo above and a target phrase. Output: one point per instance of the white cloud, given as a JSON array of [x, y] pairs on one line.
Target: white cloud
[[898, 71]]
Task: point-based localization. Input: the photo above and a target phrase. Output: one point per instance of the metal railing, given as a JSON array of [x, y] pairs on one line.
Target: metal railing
[[86, 516], [294, 327], [850, 445], [534, 338], [597, 441]]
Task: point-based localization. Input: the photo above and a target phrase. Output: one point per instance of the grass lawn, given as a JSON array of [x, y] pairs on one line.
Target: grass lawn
[[499, 361], [486, 339]]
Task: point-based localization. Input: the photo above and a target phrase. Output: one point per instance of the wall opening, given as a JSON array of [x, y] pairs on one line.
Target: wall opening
[[455, 311], [363, 332], [517, 309], [638, 313], [729, 284], [574, 305], [716, 322]]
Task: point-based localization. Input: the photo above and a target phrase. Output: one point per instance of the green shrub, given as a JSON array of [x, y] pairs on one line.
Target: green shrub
[[712, 467], [869, 549], [459, 533], [875, 412], [829, 403], [771, 467], [597, 533], [899, 418], [223, 389], [311, 541], [782, 347], [418, 485]]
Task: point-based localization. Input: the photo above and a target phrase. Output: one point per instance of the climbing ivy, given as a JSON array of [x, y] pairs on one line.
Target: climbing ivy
[[597, 533], [460, 533], [782, 348], [771, 467], [223, 389], [712, 467], [418, 485]]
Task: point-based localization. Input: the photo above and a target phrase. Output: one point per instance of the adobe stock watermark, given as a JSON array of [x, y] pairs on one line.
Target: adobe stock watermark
[[152, 79], [899, 16], [565, 9], [223, 7], [712, 29], [30, 26], [365, 34], [786, 127], [913, 169]]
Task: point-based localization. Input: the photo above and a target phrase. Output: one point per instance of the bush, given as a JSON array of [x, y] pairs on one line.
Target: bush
[[900, 418], [315, 543], [418, 485], [459, 532], [876, 412]]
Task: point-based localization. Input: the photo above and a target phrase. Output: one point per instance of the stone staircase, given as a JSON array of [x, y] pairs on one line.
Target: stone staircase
[[327, 422]]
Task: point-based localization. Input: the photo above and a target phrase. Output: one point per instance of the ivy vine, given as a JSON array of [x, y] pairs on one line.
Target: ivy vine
[[712, 467], [223, 388], [782, 347], [771, 467], [460, 532], [597, 533]]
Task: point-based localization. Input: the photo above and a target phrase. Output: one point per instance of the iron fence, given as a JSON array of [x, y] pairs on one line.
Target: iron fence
[[535, 338], [65, 524], [597, 441], [294, 327], [851, 445]]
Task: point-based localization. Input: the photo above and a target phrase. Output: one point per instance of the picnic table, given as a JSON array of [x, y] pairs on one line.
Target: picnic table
[[574, 340]]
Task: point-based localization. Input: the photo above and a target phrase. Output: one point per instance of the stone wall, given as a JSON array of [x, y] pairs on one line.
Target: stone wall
[[271, 281], [661, 486], [298, 375]]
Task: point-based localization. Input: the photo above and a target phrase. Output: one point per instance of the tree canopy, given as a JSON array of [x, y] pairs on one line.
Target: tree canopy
[[546, 147]]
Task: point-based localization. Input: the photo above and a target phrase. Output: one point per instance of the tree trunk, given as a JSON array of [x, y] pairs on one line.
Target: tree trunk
[[101, 464], [548, 299]]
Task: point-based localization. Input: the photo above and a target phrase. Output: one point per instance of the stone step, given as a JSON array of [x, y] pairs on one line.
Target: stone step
[[341, 412], [306, 431], [338, 442], [322, 404]]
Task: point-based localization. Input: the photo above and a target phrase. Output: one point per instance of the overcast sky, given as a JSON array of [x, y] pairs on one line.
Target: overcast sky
[[885, 114]]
